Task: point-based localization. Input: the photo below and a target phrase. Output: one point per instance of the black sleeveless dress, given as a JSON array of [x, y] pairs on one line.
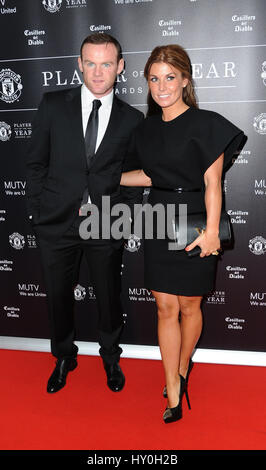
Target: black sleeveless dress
[[176, 154]]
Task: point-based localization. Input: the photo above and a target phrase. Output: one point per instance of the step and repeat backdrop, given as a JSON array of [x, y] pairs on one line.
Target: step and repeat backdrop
[[226, 41]]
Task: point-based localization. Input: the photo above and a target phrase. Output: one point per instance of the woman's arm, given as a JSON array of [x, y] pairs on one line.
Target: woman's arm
[[209, 241], [135, 178]]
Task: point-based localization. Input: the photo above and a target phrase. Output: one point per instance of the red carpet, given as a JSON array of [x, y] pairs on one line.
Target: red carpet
[[228, 407]]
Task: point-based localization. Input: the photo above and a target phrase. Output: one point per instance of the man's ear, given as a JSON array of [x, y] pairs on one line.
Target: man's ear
[[120, 67], [80, 64]]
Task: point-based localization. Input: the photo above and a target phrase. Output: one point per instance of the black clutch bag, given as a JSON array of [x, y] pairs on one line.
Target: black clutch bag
[[196, 224]]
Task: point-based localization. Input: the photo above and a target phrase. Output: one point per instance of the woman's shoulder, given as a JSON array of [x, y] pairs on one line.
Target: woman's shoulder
[[205, 118], [216, 121], [202, 113]]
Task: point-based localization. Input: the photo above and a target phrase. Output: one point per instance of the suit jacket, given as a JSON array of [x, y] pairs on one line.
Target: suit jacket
[[57, 172]]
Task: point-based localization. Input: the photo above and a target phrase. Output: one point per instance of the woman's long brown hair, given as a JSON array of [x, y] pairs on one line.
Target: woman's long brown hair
[[177, 57]]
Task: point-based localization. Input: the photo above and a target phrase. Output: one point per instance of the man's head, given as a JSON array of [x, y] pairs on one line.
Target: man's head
[[100, 62]]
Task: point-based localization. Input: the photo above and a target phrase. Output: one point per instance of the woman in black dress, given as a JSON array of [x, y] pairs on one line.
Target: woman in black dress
[[182, 152]]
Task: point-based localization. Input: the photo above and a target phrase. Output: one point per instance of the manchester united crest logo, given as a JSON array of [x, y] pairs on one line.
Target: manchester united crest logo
[[259, 123], [52, 5], [10, 86], [133, 243], [17, 241], [5, 131], [79, 292], [257, 245]]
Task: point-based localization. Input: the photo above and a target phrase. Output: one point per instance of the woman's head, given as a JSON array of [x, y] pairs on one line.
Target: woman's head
[[168, 72]]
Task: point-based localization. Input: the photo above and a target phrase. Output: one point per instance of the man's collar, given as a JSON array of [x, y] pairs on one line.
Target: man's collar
[[106, 100]]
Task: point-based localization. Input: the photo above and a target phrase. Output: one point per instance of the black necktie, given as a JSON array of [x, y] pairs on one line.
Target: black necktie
[[92, 131], [90, 140]]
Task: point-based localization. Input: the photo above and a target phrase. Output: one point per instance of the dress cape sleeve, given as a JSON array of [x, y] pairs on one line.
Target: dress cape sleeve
[[222, 137]]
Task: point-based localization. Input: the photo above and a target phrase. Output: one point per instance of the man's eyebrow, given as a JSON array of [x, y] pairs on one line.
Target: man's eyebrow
[[104, 62]]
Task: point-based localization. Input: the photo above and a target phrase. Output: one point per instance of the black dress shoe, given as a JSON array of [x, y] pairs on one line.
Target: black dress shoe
[[59, 375], [174, 414], [115, 376]]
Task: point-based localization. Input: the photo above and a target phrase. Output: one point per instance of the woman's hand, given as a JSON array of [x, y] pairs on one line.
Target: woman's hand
[[208, 241], [135, 178]]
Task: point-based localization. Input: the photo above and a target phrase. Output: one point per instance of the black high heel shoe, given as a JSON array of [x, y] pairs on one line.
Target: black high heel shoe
[[190, 365], [174, 414]]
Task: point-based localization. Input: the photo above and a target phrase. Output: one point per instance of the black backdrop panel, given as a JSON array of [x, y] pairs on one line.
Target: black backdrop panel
[[226, 41]]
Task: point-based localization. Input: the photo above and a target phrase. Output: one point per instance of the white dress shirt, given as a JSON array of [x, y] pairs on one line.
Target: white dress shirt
[[103, 113]]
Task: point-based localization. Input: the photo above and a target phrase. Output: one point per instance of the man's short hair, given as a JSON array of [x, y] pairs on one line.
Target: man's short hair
[[102, 38]]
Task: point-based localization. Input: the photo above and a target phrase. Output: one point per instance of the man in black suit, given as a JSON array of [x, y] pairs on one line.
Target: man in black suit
[[80, 142]]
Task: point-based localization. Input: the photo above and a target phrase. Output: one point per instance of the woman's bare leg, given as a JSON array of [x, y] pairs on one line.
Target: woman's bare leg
[[191, 328], [169, 336]]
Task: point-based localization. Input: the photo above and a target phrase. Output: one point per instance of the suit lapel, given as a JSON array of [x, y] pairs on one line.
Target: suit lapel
[[112, 128], [73, 100]]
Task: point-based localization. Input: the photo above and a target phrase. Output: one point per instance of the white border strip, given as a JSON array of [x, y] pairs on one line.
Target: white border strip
[[210, 356]]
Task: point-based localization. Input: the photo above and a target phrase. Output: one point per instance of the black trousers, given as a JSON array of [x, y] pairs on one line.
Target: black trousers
[[60, 262]]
